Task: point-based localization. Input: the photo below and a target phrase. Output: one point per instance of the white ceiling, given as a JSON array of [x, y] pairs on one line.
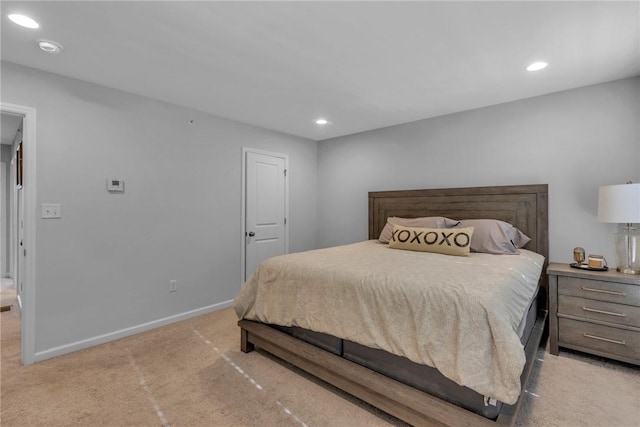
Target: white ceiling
[[361, 65]]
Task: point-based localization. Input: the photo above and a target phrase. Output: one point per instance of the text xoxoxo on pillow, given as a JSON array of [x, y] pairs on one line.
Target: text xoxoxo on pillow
[[450, 241]]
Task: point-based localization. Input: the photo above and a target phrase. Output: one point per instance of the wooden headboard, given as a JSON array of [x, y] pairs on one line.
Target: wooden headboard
[[524, 206]]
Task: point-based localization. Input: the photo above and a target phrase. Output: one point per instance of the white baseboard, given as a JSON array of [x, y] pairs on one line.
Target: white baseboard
[[111, 336]]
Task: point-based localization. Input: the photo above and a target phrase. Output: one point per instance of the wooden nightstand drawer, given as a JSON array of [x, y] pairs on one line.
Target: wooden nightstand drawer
[[599, 310], [599, 290], [603, 339]]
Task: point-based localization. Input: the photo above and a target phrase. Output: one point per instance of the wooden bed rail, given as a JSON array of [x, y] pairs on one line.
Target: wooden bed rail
[[402, 401]]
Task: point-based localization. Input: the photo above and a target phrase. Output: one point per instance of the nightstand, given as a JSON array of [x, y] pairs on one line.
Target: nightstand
[[597, 312]]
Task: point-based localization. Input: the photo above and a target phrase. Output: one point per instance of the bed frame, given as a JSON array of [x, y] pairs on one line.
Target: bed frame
[[524, 206]]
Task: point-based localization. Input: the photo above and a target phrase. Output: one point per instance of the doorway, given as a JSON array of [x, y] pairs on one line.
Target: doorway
[[265, 207], [7, 286], [22, 228], [5, 271]]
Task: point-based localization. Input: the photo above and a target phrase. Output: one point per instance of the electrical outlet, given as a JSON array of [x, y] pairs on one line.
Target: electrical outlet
[[51, 210], [173, 285]]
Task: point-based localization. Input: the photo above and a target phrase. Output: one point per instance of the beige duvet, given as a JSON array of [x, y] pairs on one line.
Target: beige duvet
[[457, 314]]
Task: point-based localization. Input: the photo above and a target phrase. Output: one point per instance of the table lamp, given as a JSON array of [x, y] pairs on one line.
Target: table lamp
[[621, 204]]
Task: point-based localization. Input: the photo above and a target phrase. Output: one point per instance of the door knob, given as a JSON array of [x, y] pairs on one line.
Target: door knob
[[251, 234]]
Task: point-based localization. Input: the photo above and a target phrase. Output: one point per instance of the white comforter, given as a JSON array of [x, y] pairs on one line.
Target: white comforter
[[457, 314]]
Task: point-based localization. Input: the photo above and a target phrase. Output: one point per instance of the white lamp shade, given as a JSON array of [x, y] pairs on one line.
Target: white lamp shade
[[619, 203]]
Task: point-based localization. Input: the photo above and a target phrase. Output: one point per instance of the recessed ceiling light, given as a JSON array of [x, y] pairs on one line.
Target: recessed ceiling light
[[321, 122], [537, 66], [50, 46], [23, 21]]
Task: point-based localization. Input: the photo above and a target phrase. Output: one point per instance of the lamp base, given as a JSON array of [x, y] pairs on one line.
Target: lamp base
[[628, 250], [627, 270]]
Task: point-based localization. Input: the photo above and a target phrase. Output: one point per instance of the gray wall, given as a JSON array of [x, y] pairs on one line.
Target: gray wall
[[574, 141], [105, 265]]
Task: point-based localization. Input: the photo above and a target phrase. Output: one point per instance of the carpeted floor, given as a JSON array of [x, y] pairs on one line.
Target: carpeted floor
[[193, 374]]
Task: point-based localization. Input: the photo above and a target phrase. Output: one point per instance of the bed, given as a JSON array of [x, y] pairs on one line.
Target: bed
[[393, 380]]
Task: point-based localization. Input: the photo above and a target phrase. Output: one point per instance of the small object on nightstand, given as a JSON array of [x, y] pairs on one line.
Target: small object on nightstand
[[588, 267], [596, 261]]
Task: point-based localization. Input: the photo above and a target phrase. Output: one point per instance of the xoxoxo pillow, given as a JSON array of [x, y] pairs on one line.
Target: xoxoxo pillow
[[450, 241], [423, 222]]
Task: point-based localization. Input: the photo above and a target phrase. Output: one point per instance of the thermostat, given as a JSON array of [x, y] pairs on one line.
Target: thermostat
[[115, 185]]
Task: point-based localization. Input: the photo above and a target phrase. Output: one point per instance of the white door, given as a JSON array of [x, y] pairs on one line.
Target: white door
[[265, 208]]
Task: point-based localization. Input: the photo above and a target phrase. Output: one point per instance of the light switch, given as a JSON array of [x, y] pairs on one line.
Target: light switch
[[51, 211]]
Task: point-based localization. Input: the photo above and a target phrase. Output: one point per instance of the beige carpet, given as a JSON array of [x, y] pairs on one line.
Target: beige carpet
[[193, 374]]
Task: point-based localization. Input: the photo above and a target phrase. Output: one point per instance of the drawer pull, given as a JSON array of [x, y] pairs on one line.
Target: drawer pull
[[604, 339], [604, 312], [602, 291]]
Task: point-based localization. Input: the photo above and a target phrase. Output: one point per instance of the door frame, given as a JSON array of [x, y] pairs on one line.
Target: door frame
[[243, 214], [4, 221], [28, 291]]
